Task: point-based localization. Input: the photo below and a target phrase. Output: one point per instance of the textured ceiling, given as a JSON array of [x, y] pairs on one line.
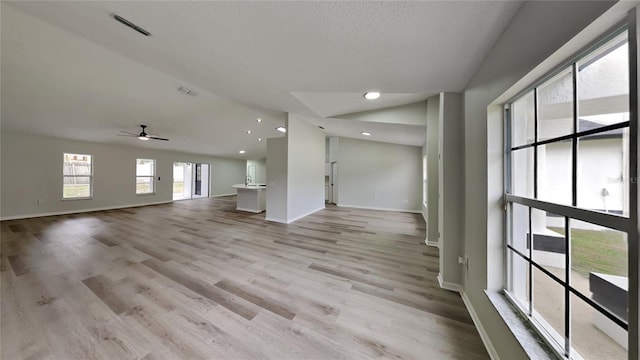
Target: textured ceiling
[[90, 76]]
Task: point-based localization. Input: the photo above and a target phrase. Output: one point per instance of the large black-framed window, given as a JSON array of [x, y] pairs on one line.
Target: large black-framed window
[[571, 212]]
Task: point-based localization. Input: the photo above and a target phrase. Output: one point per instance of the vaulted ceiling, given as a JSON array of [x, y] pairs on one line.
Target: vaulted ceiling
[[70, 70]]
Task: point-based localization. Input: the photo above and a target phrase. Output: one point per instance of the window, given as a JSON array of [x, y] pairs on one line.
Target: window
[[568, 204], [77, 176], [145, 175]]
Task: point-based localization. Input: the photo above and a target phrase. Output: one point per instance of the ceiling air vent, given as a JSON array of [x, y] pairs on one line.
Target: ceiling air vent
[[131, 25]]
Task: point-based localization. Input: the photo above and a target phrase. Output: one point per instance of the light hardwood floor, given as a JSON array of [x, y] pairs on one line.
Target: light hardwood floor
[[198, 280]]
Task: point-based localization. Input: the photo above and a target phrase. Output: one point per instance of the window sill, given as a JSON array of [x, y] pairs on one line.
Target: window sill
[[145, 194], [532, 343], [78, 198]]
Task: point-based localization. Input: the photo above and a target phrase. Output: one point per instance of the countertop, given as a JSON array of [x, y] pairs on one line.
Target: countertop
[[250, 187]]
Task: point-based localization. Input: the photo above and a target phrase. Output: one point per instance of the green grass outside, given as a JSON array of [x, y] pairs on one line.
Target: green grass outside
[[71, 191], [142, 188], [600, 251], [178, 187]]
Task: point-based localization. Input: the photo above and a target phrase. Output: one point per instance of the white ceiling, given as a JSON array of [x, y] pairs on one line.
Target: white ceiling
[[70, 70]]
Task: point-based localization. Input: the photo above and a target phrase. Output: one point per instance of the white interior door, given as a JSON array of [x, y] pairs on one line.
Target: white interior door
[[334, 183]]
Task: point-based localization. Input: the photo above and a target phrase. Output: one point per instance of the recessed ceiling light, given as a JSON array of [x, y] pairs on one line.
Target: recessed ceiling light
[[365, 133], [371, 95], [187, 91], [242, 151], [259, 120], [282, 129], [259, 139], [248, 131]]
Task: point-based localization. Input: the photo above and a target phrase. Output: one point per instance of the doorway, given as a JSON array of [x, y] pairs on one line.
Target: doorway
[[190, 180], [200, 180]]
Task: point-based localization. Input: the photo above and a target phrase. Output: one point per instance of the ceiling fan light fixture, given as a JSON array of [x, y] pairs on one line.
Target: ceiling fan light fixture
[[371, 95], [241, 151], [142, 135]]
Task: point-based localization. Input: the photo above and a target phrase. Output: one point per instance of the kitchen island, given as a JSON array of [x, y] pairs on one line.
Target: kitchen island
[[251, 198]]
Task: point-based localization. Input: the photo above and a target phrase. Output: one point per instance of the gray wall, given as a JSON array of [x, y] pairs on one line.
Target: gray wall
[[535, 33], [277, 180], [451, 181], [433, 181], [379, 175], [305, 168], [410, 114], [32, 171]]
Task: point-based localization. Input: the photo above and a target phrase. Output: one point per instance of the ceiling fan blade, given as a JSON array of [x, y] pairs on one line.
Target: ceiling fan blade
[[126, 132], [153, 137], [130, 135]]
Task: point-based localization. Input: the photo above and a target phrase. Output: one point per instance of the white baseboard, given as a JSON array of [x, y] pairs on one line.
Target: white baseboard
[[449, 285], [379, 209], [431, 243], [250, 210], [79, 211], [304, 215], [222, 195], [289, 221], [282, 221], [474, 316]]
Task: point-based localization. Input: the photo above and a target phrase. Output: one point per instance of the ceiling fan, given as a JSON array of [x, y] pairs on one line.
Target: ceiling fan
[[143, 135]]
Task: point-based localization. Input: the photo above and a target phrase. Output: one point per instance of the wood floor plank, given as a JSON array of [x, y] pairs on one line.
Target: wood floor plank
[[199, 280], [103, 288], [207, 290], [18, 266], [267, 304], [350, 276], [105, 240], [424, 305]]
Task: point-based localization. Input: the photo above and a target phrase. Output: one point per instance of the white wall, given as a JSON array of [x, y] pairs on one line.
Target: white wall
[[600, 166], [451, 181], [32, 171], [260, 167], [433, 181], [277, 180], [379, 175], [410, 114], [305, 168], [537, 30], [334, 146]]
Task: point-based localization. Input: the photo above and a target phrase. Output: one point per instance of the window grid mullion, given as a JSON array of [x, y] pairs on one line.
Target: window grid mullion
[[530, 264], [535, 147]]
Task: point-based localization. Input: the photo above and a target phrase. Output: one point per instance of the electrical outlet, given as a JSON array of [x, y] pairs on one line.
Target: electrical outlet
[[463, 260], [40, 201]]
